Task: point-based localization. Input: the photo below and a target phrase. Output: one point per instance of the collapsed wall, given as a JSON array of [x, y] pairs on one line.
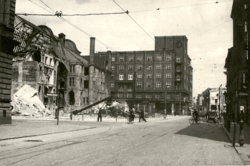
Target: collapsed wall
[[26, 102]]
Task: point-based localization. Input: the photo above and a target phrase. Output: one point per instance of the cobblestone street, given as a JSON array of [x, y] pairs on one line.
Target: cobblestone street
[[162, 142]]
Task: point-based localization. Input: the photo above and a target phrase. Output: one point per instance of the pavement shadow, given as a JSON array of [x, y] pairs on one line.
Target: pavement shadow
[[205, 130]]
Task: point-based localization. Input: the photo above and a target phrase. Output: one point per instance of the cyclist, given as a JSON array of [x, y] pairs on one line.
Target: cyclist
[[195, 115]]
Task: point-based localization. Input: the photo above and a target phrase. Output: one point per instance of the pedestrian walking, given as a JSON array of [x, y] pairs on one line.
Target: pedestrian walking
[[131, 116], [142, 116], [99, 117]]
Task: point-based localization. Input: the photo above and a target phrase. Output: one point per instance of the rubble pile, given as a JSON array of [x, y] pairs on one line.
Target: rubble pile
[[26, 102]]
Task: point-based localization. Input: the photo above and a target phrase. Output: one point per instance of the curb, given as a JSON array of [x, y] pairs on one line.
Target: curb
[[230, 139], [4, 139]]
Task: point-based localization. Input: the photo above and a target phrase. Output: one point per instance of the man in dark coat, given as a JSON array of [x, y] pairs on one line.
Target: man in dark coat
[[99, 115], [142, 116]]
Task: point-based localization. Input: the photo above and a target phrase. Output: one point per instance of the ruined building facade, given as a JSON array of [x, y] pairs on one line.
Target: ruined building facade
[[54, 67], [7, 8]]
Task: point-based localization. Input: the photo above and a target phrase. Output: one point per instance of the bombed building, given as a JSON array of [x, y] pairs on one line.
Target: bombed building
[[54, 67]]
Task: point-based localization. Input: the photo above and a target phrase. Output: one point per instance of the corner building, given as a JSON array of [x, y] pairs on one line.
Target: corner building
[[152, 79]]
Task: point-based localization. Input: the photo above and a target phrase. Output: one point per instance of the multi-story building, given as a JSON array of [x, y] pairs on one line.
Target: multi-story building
[[149, 79], [7, 10], [236, 61], [53, 64], [211, 100]]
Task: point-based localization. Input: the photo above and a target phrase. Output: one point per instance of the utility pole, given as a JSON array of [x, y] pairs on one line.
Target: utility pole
[[134, 81]]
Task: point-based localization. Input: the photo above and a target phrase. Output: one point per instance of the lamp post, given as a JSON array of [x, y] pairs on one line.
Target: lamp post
[[165, 109]]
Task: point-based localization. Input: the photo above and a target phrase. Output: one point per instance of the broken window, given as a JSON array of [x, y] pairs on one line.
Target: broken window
[[86, 71], [71, 98], [86, 84]]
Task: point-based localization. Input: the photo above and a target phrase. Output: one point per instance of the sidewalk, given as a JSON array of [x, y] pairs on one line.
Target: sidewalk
[[21, 128], [243, 151], [33, 126]]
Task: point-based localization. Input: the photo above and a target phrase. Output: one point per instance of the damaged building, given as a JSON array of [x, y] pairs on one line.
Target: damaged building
[[54, 67]]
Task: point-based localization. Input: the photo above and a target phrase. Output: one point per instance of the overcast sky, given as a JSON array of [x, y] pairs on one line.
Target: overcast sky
[[206, 24]]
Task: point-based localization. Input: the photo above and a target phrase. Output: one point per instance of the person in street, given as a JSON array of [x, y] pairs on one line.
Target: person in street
[[142, 116], [131, 115], [195, 115], [99, 117]]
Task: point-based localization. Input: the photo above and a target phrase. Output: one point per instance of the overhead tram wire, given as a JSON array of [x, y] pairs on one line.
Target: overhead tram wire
[[173, 7], [65, 20]]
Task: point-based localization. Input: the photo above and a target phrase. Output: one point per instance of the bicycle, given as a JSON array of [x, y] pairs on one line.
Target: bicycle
[[192, 120]]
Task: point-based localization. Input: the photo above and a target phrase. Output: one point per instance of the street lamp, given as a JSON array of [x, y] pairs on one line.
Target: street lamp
[[165, 109]]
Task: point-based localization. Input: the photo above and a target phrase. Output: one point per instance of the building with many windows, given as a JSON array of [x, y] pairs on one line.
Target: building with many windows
[[237, 61], [149, 79]]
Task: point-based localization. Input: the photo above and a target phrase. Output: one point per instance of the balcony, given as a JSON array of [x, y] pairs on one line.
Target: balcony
[[178, 61], [177, 79], [178, 70]]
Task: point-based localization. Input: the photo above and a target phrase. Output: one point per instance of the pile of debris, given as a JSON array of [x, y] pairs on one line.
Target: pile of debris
[[26, 102]]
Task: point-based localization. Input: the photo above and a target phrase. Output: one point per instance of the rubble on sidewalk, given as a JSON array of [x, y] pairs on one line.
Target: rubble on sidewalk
[[26, 102]]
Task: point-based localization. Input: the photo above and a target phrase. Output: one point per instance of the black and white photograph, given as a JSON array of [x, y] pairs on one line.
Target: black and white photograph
[[124, 82]]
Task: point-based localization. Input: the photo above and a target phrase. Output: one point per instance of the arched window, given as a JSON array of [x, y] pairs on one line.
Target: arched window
[[71, 98]]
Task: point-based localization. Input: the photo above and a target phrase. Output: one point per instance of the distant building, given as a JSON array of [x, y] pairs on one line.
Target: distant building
[[47, 62], [142, 77], [7, 10], [211, 100], [236, 61]]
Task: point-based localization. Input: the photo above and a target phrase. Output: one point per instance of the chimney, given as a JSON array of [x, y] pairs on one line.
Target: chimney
[[92, 50], [62, 38]]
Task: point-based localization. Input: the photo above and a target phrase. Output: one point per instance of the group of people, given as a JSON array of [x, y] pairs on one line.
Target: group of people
[[131, 115]]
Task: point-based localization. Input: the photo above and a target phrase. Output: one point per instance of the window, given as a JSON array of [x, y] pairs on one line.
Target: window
[[178, 59], [112, 85], [139, 84], [149, 58], [72, 69], [87, 100], [178, 68], [168, 75], [158, 84], [139, 59], [139, 75], [113, 67], [168, 58], [86, 71], [168, 66], [149, 75], [86, 84], [130, 67], [130, 59], [138, 96], [83, 100], [158, 67], [148, 96], [139, 67], [130, 77], [121, 67], [81, 83], [157, 96], [148, 85], [71, 81], [121, 76], [168, 84], [245, 6], [158, 75], [121, 59], [158, 58], [149, 67], [245, 26], [113, 59]]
